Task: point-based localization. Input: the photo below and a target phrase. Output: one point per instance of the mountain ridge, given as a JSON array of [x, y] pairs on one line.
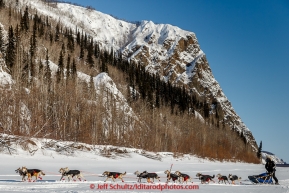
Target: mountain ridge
[[162, 48]]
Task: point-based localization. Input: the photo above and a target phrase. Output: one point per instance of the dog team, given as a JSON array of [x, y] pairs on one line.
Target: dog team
[[176, 176], [65, 172]]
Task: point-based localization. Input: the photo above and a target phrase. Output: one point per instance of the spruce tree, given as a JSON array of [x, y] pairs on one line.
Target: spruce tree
[[91, 88], [63, 49], [78, 38], [57, 33], [41, 30], [25, 20], [105, 57], [259, 150], [73, 70], [34, 32], [85, 41], [81, 54], [11, 49], [51, 38], [33, 40], [47, 21], [66, 32], [2, 4], [111, 55], [36, 21], [89, 58], [206, 110], [60, 70], [68, 67], [47, 73], [70, 41], [32, 67], [96, 50], [103, 66]]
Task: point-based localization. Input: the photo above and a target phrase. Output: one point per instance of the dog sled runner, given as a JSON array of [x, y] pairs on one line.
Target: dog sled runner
[[264, 178]]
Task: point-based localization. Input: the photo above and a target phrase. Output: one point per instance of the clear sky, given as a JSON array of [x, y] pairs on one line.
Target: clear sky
[[247, 45]]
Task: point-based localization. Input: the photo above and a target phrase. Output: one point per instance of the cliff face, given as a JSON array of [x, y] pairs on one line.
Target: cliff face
[[176, 55], [168, 50]]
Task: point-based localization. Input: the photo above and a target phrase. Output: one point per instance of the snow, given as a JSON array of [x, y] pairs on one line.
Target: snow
[[92, 160], [5, 78], [101, 81], [105, 29]]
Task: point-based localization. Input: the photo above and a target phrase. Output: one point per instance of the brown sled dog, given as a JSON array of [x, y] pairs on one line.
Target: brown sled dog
[[71, 174], [113, 175], [32, 173]]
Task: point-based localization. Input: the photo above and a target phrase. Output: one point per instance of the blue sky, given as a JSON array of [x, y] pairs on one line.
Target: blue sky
[[247, 45]]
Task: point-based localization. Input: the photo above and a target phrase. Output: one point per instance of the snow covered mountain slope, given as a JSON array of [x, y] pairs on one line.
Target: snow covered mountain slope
[[104, 29], [276, 159], [172, 52]]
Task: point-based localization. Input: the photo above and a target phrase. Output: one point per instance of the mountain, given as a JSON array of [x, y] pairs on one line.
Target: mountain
[[172, 53], [276, 159]]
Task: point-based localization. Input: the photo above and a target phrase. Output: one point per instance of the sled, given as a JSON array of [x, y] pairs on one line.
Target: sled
[[264, 178]]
